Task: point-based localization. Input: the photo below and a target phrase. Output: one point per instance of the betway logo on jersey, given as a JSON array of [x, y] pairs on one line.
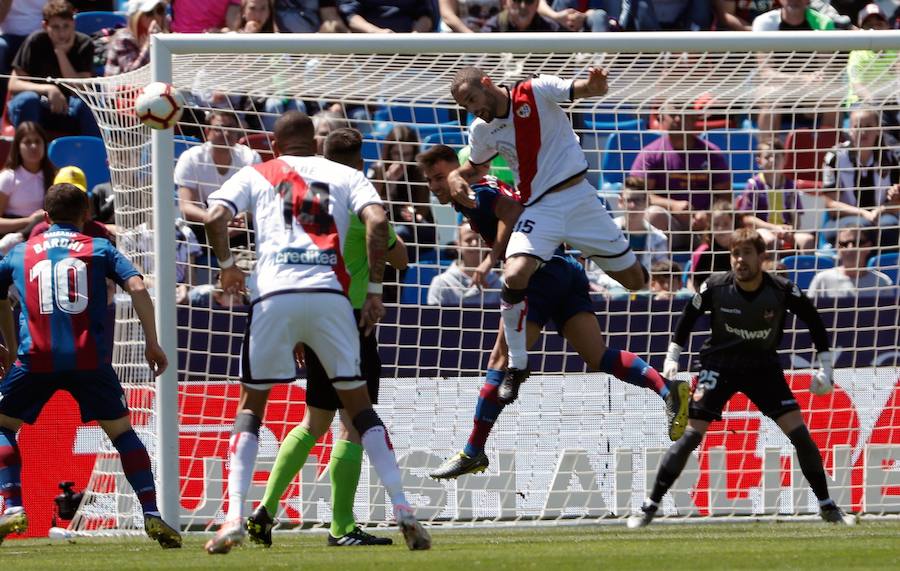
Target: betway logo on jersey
[[307, 257], [748, 335]]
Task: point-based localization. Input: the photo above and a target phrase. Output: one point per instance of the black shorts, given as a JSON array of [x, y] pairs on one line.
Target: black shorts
[[765, 387], [320, 393]]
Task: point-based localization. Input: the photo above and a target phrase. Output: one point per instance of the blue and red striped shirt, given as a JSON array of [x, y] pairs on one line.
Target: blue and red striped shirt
[[60, 277]]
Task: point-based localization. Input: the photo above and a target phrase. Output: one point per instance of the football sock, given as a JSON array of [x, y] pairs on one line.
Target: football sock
[[291, 456], [486, 412], [633, 370], [344, 468], [673, 463], [136, 465], [514, 310], [378, 447], [810, 461], [10, 469], [243, 447]]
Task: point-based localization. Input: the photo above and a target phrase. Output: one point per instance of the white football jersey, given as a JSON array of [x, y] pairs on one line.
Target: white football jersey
[[536, 137], [301, 209]]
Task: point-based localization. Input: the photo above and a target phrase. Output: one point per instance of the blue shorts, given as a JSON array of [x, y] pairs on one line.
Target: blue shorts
[[558, 291], [98, 393]]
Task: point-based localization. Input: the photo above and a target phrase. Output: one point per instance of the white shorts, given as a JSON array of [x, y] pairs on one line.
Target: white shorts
[[323, 321], [575, 216]]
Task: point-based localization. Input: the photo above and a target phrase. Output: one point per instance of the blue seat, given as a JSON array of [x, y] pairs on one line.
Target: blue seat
[[801, 269], [416, 282], [452, 138], [619, 153], [739, 147], [86, 153], [183, 143], [613, 119], [886, 264], [414, 114], [92, 22]]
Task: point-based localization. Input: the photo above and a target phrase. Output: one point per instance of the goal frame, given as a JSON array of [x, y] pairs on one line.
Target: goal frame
[[165, 46]]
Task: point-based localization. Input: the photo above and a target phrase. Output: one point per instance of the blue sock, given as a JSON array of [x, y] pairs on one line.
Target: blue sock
[[633, 370], [136, 465], [486, 412], [10, 470]]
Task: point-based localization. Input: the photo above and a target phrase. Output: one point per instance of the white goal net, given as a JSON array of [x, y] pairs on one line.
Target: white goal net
[[797, 115]]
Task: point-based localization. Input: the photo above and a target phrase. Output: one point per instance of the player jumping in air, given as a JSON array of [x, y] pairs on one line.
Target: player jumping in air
[[302, 205], [60, 277], [526, 125], [747, 309], [558, 291]]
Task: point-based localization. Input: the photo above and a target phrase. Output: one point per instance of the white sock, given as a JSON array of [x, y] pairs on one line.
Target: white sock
[[377, 446], [242, 460], [514, 329]]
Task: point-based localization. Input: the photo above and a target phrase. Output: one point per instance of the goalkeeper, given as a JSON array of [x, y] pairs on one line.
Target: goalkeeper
[[748, 307]]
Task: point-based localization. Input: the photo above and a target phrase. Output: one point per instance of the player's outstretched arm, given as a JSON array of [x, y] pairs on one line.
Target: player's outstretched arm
[[797, 303], [143, 306], [594, 86], [8, 330], [699, 305], [217, 219], [375, 219], [460, 179], [507, 212]]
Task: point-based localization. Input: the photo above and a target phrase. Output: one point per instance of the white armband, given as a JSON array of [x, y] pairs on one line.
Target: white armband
[[225, 264], [375, 289]]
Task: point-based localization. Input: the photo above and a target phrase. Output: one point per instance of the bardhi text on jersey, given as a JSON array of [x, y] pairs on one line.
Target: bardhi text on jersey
[[57, 242]]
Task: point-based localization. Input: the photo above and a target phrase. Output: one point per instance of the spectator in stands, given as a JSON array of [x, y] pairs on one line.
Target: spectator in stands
[[308, 16], [25, 179], [399, 180], [193, 17], [387, 16], [685, 175], [454, 286], [129, 48], [520, 16], [649, 244], [851, 277], [582, 15], [771, 202], [74, 176], [467, 16], [139, 242], [212, 295], [668, 15], [738, 15], [868, 69], [17, 21], [257, 16], [325, 122], [204, 168], [797, 15], [714, 255], [666, 280], [55, 51], [859, 174]]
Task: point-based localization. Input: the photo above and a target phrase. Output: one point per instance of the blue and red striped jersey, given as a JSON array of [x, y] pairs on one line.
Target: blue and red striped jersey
[[60, 277]]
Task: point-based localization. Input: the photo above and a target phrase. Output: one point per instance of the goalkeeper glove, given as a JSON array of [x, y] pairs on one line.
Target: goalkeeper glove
[[670, 365], [823, 380]]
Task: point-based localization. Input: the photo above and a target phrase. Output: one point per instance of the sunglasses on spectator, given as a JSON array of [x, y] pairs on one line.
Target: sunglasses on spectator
[[851, 243], [160, 10]]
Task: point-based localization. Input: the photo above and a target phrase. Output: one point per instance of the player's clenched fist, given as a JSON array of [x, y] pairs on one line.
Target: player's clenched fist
[[156, 358], [460, 192], [232, 280], [372, 312]]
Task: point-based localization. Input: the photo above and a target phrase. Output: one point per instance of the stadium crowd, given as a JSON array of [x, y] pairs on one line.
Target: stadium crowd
[[678, 195]]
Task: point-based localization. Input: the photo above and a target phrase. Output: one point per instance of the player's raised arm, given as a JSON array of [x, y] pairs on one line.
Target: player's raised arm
[[143, 306], [376, 223], [594, 85], [797, 303], [217, 219], [699, 305]]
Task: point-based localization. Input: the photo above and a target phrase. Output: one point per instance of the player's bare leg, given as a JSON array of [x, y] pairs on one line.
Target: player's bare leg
[[13, 519], [517, 272], [810, 459], [354, 397], [633, 278], [243, 449], [583, 332]]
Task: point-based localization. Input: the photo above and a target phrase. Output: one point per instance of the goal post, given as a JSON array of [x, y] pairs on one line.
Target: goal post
[[578, 444]]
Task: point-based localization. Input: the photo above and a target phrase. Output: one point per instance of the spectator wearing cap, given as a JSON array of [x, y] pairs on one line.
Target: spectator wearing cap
[[74, 176], [869, 70], [129, 48], [387, 16], [196, 17]]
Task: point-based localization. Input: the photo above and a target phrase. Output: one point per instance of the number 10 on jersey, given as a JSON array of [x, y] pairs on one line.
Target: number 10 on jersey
[[65, 282]]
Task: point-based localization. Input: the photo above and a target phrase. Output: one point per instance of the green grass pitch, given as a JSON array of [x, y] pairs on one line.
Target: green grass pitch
[[765, 545]]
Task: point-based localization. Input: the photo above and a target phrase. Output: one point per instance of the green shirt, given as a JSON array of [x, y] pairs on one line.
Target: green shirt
[[356, 259], [871, 69]]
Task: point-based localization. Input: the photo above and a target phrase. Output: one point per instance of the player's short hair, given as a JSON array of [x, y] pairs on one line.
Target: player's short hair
[[223, 114], [635, 183], [469, 75], [344, 146], [65, 202], [437, 153], [744, 236], [58, 9], [294, 127]]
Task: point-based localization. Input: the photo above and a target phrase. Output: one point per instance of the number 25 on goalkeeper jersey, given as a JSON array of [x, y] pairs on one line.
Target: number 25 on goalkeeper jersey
[[60, 277]]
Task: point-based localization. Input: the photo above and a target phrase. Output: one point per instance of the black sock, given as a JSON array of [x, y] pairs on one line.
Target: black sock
[[673, 463], [810, 461]]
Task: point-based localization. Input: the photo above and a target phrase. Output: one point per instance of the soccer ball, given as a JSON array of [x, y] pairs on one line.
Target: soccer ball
[[159, 105]]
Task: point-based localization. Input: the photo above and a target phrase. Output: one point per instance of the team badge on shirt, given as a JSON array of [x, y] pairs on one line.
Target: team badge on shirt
[[524, 111], [769, 314]]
